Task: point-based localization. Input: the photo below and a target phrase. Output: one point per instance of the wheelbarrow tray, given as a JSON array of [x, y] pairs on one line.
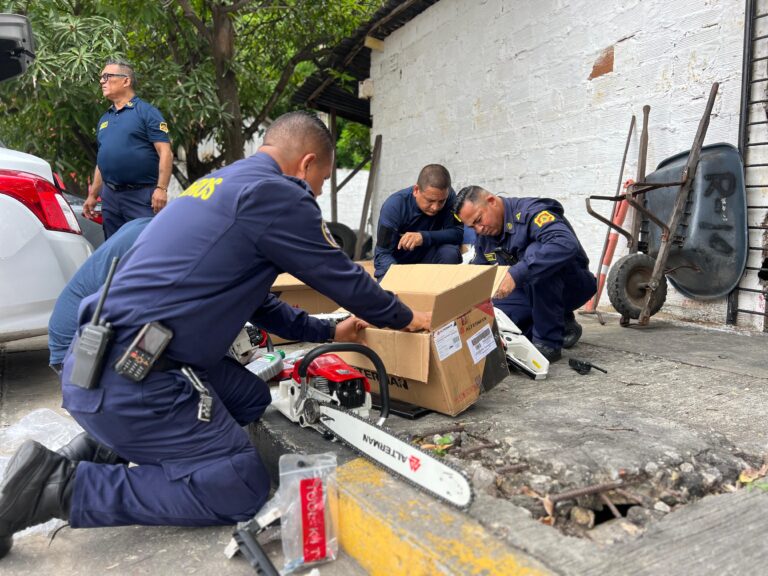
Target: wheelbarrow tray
[[709, 249]]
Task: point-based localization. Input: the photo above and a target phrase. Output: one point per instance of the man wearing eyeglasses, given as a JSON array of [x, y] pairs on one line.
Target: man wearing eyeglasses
[[549, 273], [134, 162], [417, 225]]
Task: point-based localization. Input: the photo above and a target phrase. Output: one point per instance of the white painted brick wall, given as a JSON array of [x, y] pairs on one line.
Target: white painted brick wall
[[498, 91], [350, 199]]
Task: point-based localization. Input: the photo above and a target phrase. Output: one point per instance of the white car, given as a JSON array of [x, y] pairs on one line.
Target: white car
[[41, 244]]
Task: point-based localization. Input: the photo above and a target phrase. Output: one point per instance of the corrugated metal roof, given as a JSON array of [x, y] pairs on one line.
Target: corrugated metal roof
[[335, 86]]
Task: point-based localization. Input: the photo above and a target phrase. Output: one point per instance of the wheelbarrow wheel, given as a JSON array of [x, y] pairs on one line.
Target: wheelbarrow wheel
[[626, 285]]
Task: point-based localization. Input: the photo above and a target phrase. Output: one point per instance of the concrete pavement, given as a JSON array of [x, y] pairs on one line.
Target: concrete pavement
[[677, 419]]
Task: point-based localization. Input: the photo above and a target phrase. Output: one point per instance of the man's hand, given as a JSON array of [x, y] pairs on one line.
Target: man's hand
[[421, 321], [351, 330], [89, 205], [506, 287], [159, 199], [410, 240]]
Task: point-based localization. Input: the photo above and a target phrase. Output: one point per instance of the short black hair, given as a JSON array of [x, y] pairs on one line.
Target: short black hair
[[469, 194], [434, 176], [292, 126]]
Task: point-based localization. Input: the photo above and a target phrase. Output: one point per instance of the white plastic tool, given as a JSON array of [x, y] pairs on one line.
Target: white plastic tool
[[520, 351]]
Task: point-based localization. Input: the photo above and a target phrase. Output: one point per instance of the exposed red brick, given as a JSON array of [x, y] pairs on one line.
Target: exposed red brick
[[603, 64]]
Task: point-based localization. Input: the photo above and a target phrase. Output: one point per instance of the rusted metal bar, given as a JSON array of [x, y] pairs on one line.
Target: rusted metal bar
[[677, 212], [469, 451], [586, 491], [613, 213], [607, 222], [642, 157], [611, 507], [512, 468]]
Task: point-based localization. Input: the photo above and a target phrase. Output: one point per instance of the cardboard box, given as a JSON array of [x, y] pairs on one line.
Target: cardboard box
[[447, 368], [294, 292]]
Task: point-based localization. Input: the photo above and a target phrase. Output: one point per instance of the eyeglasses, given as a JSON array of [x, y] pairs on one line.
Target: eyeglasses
[[106, 77]]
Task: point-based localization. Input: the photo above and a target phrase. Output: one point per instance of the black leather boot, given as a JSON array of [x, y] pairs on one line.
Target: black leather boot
[[571, 333], [37, 487], [83, 447]]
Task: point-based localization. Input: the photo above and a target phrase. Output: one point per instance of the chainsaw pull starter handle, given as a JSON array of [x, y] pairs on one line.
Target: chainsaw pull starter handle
[[360, 349]]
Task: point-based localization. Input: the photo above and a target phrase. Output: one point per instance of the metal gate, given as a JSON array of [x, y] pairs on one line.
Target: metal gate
[[746, 304]]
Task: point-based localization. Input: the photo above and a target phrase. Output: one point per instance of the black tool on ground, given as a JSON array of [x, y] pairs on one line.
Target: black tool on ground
[[583, 366], [92, 343], [138, 360], [254, 553]]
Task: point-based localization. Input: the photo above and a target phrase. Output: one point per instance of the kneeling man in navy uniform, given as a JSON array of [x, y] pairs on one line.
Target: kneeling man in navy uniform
[[549, 273], [202, 268]]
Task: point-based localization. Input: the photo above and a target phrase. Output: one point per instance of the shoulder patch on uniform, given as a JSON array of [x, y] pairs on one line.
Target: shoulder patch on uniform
[[163, 127], [490, 256], [129, 104], [518, 215], [509, 225], [104, 125], [544, 217], [328, 236]]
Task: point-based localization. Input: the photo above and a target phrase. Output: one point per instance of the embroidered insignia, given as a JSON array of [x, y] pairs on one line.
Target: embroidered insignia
[[517, 216], [104, 125], [543, 218], [509, 225], [163, 127], [490, 256], [328, 236]]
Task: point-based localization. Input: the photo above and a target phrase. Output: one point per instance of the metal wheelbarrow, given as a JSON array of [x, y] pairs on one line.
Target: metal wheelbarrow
[[689, 227]]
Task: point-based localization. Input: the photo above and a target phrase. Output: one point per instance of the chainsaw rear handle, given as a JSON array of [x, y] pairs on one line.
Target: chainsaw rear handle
[[360, 349]]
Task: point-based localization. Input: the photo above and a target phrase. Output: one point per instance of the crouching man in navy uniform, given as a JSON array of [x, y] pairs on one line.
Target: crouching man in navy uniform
[[417, 225], [203, 267], [549, 273]]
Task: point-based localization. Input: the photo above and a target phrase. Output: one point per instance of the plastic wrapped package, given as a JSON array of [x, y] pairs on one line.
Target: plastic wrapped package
[[309, 502]]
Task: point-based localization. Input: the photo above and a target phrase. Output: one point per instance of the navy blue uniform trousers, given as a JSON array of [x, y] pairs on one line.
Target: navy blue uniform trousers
[[189, 473], [540, 308], [117, 208]]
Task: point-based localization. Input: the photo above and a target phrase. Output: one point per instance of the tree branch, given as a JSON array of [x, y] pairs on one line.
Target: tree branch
[[190, 15], [306, 53]]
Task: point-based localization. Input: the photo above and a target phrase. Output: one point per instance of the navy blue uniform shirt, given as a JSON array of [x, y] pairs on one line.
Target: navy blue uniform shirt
[[205, 264], [88, 279], [401, 214], [536, 236], [126, 140]]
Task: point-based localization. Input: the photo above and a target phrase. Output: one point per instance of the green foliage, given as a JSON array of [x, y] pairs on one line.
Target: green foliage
[[353, 144], [183, 67]]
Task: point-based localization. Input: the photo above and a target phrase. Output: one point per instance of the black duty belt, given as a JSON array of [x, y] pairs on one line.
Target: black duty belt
[[125, 187]]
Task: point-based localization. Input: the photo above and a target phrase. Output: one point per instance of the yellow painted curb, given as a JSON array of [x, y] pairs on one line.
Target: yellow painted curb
[[390, 528]]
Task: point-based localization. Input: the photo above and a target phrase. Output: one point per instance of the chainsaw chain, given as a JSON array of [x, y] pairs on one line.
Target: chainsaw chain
[[390, 470]]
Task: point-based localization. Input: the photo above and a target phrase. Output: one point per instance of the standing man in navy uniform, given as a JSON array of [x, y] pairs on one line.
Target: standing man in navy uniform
[[203, 267], [134, 162], [549, 273], [417, 225]]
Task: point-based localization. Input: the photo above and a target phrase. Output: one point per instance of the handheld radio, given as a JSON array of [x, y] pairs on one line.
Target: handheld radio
[[91, 346]]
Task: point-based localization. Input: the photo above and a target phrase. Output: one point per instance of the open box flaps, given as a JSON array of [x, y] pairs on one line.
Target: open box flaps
[[446, 368], [446, 290]]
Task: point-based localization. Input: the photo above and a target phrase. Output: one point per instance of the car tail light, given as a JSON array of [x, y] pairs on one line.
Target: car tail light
[[42, 199]]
